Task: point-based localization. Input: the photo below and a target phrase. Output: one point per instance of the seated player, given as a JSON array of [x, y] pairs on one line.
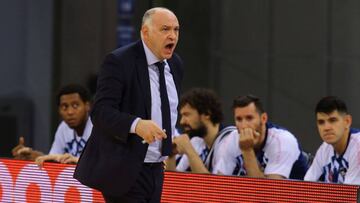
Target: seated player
[[338, 158], [259, 148], [72, 133]]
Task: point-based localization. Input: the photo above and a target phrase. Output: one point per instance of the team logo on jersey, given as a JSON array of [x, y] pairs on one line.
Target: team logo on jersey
[[335, 171], [240, 169], [75, 147]]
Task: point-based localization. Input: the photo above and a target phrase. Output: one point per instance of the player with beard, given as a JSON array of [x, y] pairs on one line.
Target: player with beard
[[259, 148], [201, 118]]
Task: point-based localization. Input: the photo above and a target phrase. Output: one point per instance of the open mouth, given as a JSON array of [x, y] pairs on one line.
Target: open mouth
[[170, 46]]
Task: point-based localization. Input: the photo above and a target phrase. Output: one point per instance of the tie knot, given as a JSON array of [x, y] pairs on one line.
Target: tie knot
[[160, 65]]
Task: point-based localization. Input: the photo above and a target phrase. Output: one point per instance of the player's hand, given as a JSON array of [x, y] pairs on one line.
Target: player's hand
[[181, 144], [21, 145], [248, 137], [24, 153], [149, 131], [50, 157], [68, 159]]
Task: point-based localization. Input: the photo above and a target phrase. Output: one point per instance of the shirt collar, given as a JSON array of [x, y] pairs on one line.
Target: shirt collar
[[150, 57]]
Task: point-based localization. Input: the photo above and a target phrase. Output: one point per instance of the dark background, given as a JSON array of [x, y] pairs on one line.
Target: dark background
[[290, 53]]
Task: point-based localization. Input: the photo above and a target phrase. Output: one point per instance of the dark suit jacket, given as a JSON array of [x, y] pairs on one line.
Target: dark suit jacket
[[113, 157]]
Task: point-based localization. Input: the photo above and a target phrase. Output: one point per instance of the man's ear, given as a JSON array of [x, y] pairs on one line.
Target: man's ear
[[348, 121], [145, 31], [264, 117], [205, 117], [87, 106]]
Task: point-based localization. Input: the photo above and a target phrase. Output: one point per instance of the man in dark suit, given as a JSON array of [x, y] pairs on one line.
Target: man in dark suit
[[134, 114]]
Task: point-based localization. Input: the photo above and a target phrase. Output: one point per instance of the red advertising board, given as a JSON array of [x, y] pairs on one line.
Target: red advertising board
[[23, 181]]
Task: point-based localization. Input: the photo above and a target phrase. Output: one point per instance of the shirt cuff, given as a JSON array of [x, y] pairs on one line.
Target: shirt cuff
[[133, 125]]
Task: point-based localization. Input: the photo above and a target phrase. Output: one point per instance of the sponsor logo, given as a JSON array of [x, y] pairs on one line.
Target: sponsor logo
[[24, 181]]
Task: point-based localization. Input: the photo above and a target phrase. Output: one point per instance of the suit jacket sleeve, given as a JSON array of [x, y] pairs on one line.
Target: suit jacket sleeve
[[107, 113]]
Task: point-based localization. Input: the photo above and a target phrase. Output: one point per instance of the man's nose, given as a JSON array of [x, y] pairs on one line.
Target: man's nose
[[182, 120], [327, 126], [70, 111], [245, 124], [173, 35], [241, 125]]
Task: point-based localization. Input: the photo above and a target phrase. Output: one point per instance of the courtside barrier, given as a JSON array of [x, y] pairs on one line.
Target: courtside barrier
[[23, 181]]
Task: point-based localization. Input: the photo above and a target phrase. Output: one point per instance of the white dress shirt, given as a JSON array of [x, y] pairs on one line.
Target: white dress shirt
[[154, 151]]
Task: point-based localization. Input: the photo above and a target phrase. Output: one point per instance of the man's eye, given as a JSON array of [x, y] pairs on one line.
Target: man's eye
[[333, 120], [249, 118]]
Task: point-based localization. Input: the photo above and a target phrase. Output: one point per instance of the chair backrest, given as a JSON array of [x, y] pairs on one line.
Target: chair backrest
[[308, 157]]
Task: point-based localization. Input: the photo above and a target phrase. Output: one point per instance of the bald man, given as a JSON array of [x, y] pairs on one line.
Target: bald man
[[134, 114]]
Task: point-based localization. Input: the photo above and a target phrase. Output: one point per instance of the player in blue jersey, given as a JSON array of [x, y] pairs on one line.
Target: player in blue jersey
[[259, 148], [338, 158], [201, 118]]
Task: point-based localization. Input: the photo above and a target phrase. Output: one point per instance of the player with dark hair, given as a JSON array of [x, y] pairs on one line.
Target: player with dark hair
[[201, 120], [260, 148], [338, 158], [73, 102]]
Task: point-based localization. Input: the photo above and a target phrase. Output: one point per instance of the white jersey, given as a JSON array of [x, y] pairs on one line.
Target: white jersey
[[208, 156], [201, 149], [331, 167], [278, 155], [68, 141]]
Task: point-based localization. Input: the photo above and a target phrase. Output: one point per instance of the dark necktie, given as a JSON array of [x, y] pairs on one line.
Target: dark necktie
[[165, 111]]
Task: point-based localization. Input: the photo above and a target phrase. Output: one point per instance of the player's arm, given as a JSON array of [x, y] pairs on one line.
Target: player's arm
[[251, 164], [246, 143], [184, 146], [170, 163], [49, 157]]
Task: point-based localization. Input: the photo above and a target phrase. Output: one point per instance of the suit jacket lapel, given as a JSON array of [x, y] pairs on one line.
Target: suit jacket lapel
[[143, 77]]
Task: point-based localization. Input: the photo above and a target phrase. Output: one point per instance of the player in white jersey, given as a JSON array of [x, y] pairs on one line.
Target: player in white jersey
[[68, 141], [338, 158], [201, 115], [73, 132], [208, 156], [259, 148]]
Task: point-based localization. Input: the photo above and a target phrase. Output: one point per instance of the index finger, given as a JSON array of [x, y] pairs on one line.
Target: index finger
[[160, 134], [39, 161], [21, 141]]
